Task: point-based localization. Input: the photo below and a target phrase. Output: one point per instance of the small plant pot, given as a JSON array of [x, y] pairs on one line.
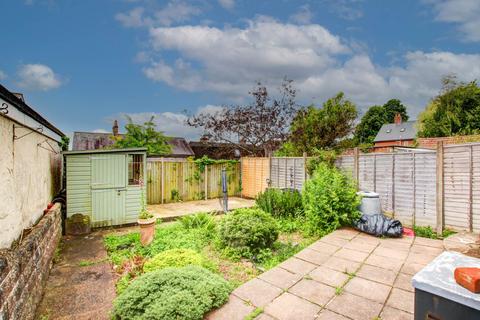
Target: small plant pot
[[147, 230]]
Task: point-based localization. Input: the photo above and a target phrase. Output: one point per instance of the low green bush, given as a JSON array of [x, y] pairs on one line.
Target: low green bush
[[172, 293], [330, 200], [176, 258], [200, 220], [280, 203], [247, 231]]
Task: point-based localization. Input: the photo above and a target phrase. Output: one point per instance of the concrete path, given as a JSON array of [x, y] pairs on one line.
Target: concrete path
[[170, 211], [81, 285], [344, 275]]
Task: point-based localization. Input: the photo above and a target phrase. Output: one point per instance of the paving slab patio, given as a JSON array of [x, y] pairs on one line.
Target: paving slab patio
[[174, 210], [344, 275]]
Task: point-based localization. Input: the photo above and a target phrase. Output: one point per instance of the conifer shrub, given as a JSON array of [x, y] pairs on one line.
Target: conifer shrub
[[247, 231], [176, 258], [172, 293]]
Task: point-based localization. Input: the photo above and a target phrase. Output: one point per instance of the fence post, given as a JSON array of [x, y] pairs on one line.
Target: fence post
[[356, 170], [470, 191], [439, 187], [305, 173], [205, 180], [162, 184]]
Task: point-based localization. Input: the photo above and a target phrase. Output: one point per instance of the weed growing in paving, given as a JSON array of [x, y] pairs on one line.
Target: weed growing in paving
[[255, 313], [428, 232]]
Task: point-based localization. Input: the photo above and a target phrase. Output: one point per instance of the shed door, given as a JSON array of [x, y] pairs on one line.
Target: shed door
[[109, 185]]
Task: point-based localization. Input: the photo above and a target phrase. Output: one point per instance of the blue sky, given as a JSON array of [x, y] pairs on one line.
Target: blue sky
[[84, 63]]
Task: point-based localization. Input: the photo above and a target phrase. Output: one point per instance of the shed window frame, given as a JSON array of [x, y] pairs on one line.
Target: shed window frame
[[136, 170]]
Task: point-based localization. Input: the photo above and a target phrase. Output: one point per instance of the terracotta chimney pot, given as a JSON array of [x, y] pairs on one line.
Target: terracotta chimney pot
[[398, 118], [115, 128]]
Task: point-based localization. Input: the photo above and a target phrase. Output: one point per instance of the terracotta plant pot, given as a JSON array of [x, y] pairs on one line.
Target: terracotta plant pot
[[147, 230]]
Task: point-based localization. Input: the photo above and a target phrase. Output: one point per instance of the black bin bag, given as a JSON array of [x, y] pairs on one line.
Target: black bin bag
[[379, 225]]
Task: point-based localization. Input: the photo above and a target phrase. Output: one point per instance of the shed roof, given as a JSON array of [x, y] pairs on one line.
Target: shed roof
[[126, 150], [394, 132]]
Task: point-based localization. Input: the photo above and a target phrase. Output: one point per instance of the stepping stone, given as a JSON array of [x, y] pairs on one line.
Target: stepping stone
[[329, 315], [324, 247], [297, 266], [280, 277], [404, 282], [377, 274], [257, 292], [328, 276], [234, 309], [312, 256], [353, 255], [355, 307], [313, 291], [401, 299], [389, 313], [289, 306], [368, 289], [341, 265]]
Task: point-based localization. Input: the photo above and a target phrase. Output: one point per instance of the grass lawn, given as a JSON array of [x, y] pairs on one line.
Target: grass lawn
[[128, 255]]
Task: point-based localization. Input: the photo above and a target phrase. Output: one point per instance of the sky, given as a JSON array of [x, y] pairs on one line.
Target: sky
[[83, 64]]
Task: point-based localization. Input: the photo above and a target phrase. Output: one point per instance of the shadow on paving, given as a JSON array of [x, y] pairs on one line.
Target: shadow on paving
[[81, 283]]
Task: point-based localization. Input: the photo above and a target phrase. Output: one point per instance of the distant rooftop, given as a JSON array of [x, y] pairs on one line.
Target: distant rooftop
[[394, 132], [99, 140]]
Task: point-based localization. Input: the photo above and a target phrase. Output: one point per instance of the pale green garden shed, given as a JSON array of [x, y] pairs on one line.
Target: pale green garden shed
[[106, 185]]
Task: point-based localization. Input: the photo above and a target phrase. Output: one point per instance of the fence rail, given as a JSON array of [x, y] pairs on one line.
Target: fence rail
[[172, 181], [438, 188]]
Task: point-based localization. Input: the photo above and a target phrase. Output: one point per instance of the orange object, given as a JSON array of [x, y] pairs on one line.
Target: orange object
[[469, 278], [408, 232]]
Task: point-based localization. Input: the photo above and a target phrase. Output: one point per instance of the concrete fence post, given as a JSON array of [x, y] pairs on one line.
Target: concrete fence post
[[439, 188], [356, 171]]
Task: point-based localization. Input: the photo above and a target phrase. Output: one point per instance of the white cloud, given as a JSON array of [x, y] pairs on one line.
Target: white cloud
[[229, 61], [101, 131], [3, 75], [172, 12], [346, 9], [465, 13], [133, 18], [38, 77], [232, 58], [171, 123], [303, 15], [227, 4]]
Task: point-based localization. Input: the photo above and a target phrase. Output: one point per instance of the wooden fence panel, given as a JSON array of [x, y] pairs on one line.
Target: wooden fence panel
[[255, 173], [184, 181], [456, 194], [366, 172], [476, 187], [384, 180], [287, 172], [425, 193], [404, 187]]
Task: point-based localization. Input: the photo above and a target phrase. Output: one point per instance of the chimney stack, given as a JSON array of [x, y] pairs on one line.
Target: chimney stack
[[398, 118], [115, 128]]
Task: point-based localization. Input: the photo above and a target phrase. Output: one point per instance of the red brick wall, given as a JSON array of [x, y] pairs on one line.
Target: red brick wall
[[24, 269], [431, 143]]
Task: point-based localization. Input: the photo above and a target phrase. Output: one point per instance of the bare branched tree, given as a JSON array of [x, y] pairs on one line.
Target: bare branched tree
[[257, 128]]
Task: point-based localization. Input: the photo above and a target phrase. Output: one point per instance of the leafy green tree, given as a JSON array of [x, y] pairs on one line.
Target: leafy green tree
[[455, 111], [375, 117], [143, 136], [64, 143], [316, 128]]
